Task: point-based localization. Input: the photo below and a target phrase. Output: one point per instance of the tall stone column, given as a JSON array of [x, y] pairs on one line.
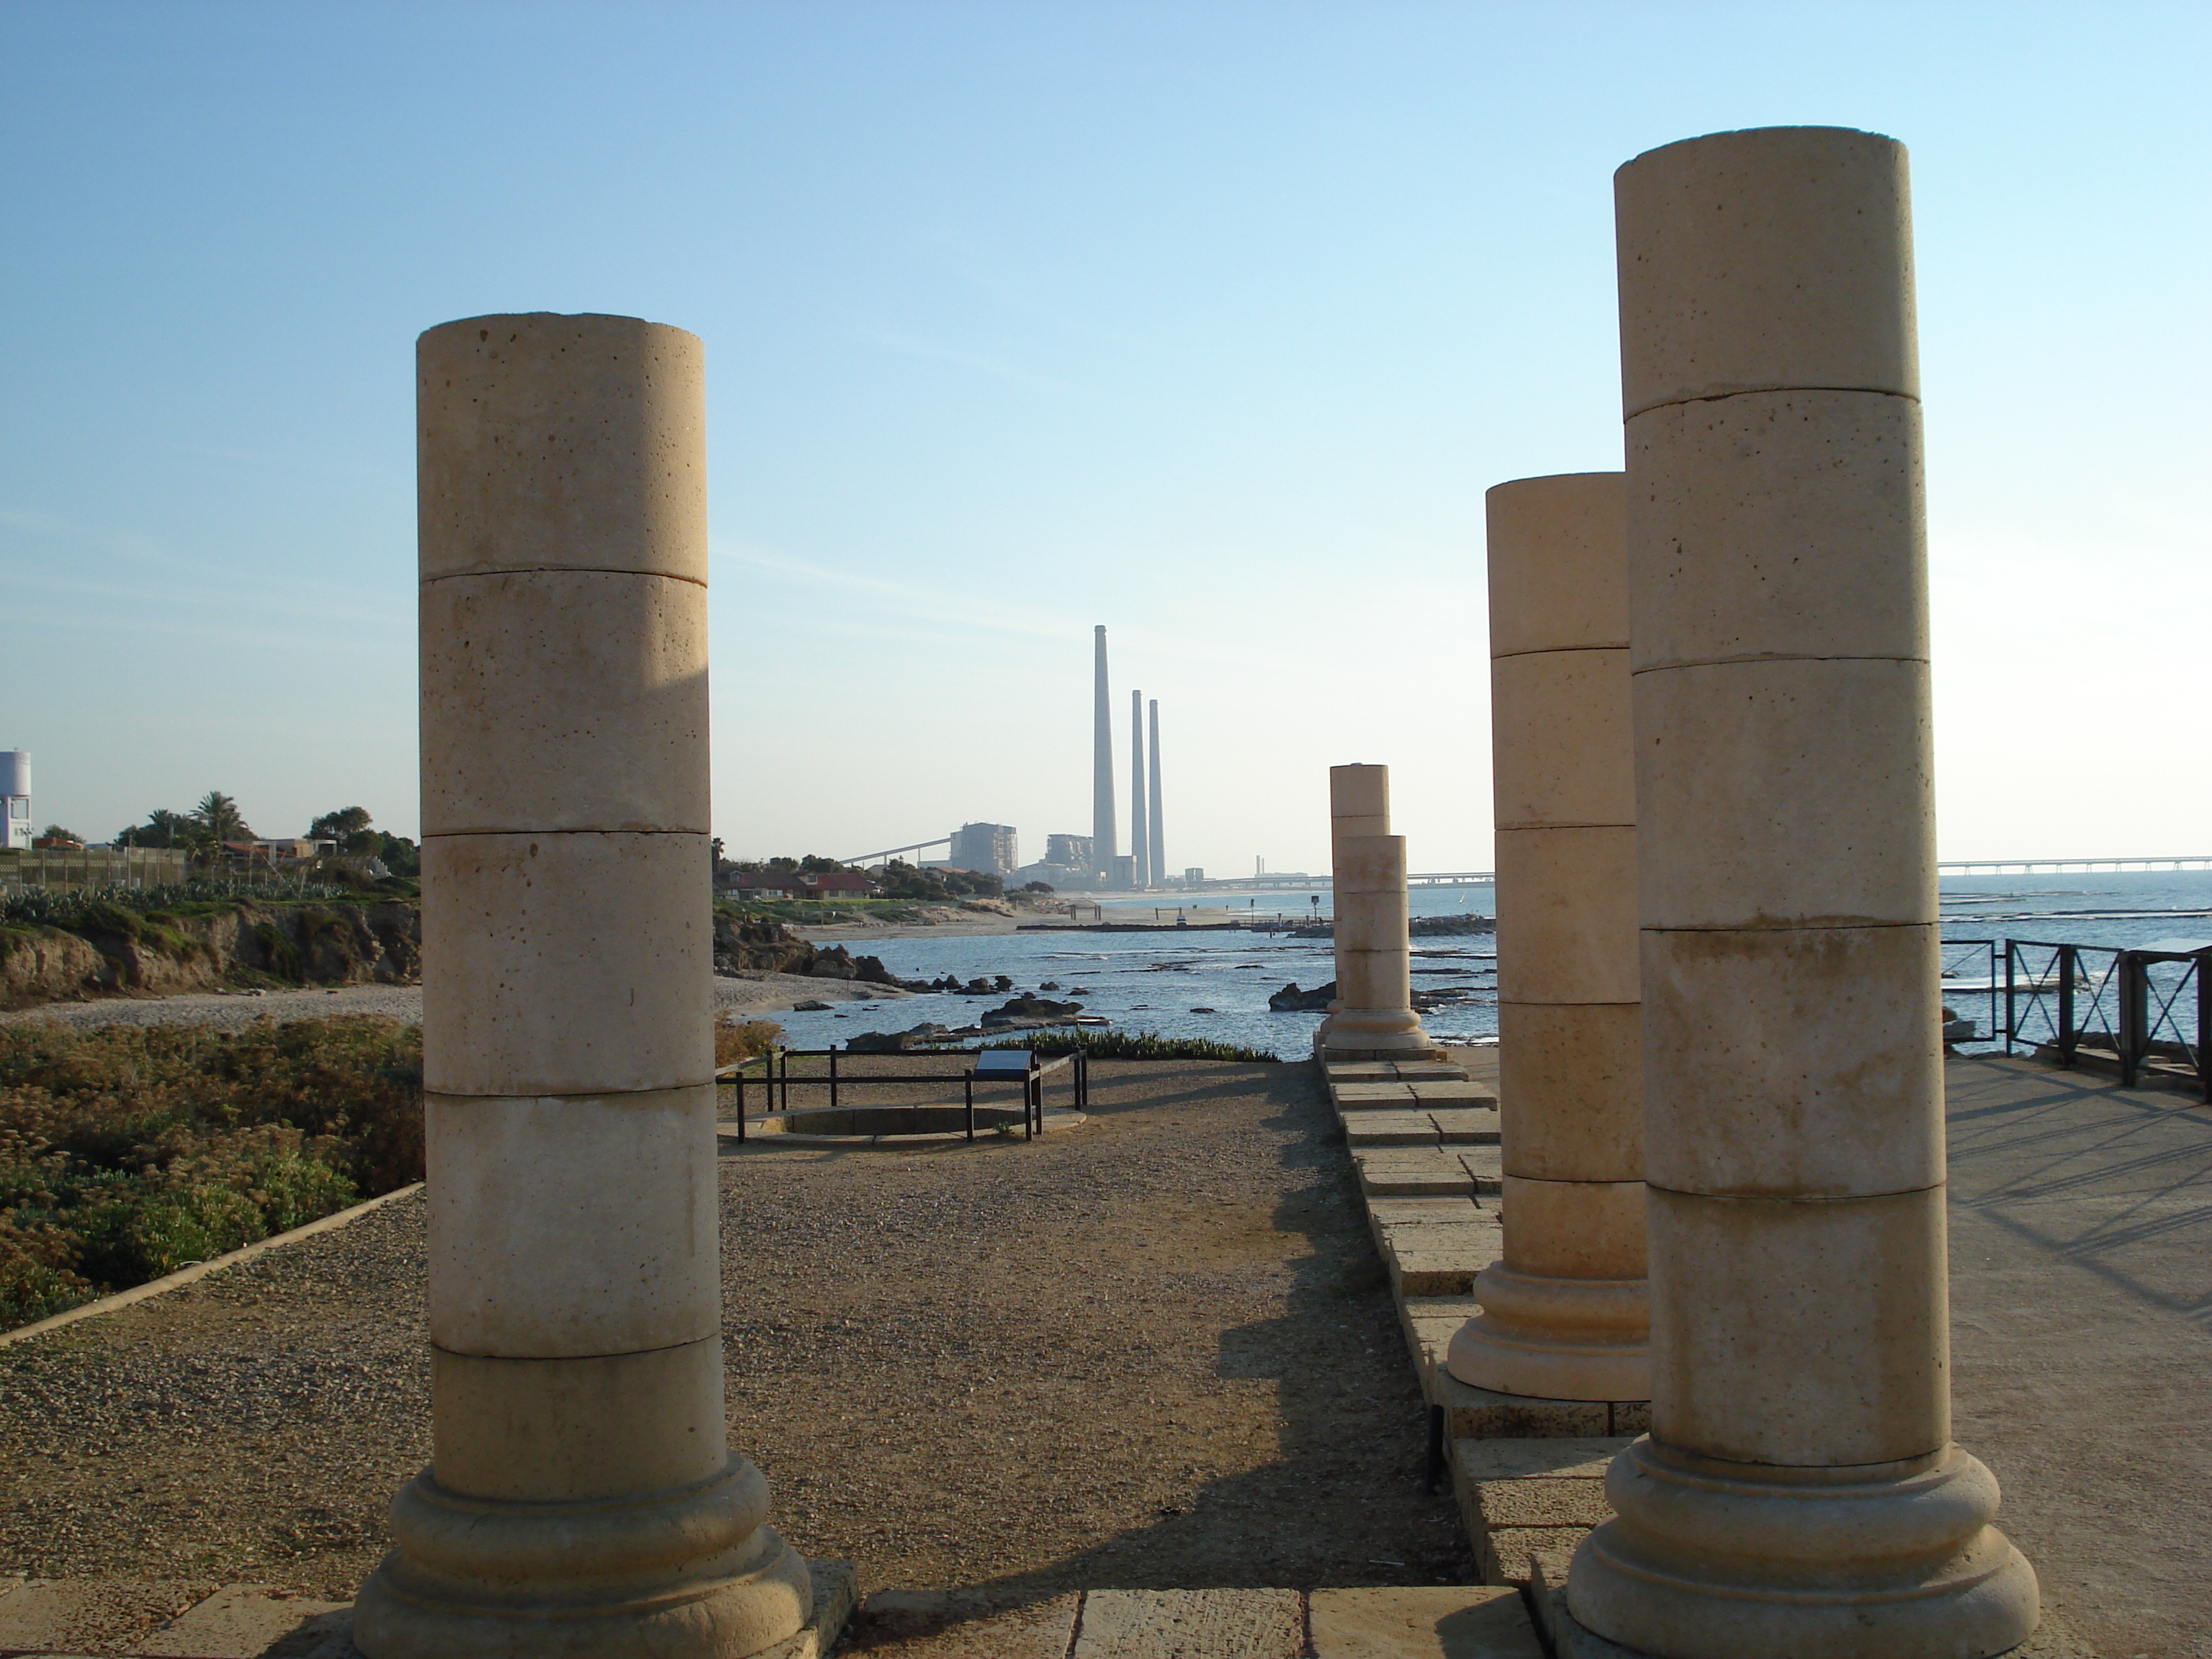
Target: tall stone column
[[1373, 1014], [1564, 1315], [1799, 1491], [582, 1498]]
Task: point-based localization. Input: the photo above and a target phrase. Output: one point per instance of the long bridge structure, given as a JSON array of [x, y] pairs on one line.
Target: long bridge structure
[[1277, 882], [2060, 867]]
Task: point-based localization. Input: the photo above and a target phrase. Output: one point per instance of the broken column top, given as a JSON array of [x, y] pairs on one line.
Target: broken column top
[[1774, 257], [553, 443], [1360, 792]]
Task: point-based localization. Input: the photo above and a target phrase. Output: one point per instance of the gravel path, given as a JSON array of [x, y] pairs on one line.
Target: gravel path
[[747, 994], [1156, 1350]]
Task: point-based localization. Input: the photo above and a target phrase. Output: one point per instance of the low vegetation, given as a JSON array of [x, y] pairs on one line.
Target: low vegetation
[[1132, 1045], [820, 913], [743, 1039], [111, 909], [128, 1151]]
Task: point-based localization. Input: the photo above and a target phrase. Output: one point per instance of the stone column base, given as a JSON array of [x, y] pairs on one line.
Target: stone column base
[[1707, 1559], [689, 1574], [1556, 1338]]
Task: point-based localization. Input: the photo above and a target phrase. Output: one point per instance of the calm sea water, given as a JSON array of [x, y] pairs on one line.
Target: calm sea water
[[1216, 985]]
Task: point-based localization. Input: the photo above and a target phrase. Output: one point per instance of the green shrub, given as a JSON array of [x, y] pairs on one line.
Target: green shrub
[[103, 916], [127, 1151], [284, 956], [66, 907]]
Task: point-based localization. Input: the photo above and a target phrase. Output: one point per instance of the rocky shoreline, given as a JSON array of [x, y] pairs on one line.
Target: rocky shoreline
[[115, 952]]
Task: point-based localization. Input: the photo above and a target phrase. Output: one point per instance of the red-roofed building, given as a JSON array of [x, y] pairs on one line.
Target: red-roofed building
[[802, 885]]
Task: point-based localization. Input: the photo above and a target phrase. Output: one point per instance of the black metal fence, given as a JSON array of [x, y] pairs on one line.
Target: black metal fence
[[2147, 1014], [777, 1080]]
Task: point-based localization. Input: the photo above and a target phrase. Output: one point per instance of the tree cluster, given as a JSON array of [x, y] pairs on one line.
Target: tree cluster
[[900, 880], [217, 818]]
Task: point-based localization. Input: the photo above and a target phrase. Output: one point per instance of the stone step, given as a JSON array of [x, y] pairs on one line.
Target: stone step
[[1524, 1499], [1416, 1622], [1438, 1127], [1438, 1258], [1393, 1071], [1438, 1171], [1475, 1413]]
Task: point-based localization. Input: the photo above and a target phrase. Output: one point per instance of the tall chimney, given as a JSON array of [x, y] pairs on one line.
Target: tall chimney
[[1159, 858], [1140, 860], [1102, 773]]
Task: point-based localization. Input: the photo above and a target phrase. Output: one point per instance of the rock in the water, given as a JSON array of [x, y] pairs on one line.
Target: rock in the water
[[1431, 927], [834, 963], [810, 1007], [1033, 1008], [896, 1042], [1291, 998]]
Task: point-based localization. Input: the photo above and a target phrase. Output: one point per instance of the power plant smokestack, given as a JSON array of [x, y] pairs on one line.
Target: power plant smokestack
[[1158, 854], [1102, 775], [1140, 860]]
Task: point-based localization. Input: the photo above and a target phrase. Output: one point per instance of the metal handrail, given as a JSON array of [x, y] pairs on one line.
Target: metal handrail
[[777, 1078], [2128, 1006]]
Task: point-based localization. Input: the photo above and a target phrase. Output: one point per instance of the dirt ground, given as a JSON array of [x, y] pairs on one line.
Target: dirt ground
[[1157, 1350]]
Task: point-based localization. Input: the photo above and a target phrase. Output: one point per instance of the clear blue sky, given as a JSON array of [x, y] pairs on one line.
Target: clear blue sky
[[1208, 322]]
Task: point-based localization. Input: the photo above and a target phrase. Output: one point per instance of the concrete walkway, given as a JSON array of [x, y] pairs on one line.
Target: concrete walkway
[[2082, 1339], [2081, 1320]]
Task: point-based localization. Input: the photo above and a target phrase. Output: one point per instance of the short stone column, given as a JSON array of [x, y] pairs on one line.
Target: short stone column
[[1373, 1017], [1799, 1491], [1564, 1315], [582, 1498]]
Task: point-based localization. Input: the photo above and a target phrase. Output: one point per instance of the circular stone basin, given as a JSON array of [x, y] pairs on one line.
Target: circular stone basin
[[865, 1126], [897, 1120]]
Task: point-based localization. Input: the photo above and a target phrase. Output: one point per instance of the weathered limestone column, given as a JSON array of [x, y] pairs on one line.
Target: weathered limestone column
[[582, 1498], [1564, 1315], [1799, 1493], [1373, 1014]]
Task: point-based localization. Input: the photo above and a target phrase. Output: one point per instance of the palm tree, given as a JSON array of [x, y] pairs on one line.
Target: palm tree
[[218, 815]]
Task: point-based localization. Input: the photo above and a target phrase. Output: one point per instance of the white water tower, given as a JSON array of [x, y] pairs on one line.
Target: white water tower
[[15, 798]]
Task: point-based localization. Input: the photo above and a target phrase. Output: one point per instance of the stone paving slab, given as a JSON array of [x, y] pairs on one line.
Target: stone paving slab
[[1513, 1555], [1444, 1622], [1391, 1129], [1386, 1071], [90, 1615], [1455, 1094], [1478, 1414], [1469, 1126], [104, 1618], [1438, 1621], [1485, 1167], [242, 1621], [1476, 1237], [1423, 1211], [1185, 1624], [952, 1625], [1347, 1095], [1416, 1182], [1570, 1458], [1535, 1501]]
